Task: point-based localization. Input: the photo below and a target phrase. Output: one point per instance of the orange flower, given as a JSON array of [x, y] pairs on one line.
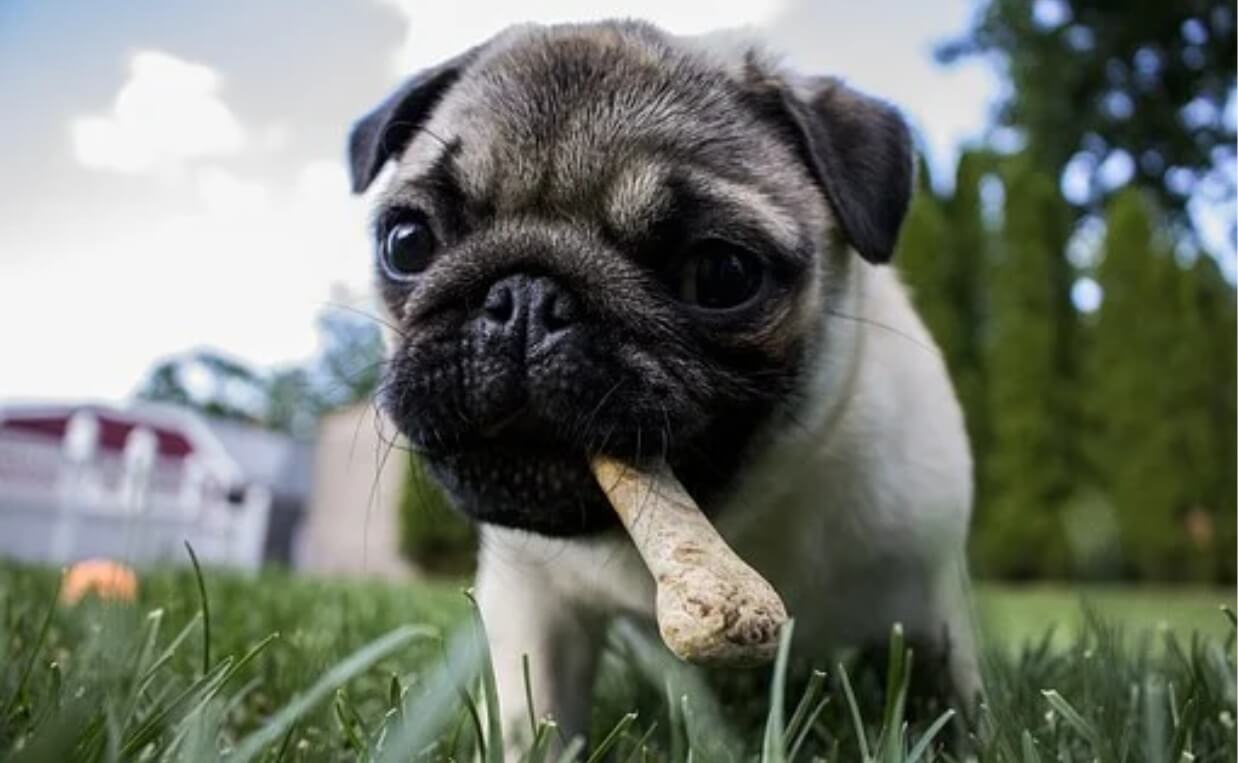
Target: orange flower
[[103, 577]]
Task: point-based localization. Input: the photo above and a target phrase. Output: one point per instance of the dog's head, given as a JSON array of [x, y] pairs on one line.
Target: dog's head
[[601, 238]]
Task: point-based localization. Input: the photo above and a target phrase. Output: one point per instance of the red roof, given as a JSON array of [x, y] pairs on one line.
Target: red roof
[[114, 429]]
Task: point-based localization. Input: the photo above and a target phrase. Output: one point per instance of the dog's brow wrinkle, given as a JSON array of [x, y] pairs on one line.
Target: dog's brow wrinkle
[[637, 195], [422, 159], [746, 198]]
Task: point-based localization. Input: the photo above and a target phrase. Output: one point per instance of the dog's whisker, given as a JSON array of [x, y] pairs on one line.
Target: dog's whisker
[[365, 314], [894, 330]]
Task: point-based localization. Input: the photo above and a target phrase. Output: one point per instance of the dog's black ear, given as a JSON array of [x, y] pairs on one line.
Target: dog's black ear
[[387, 130], [860, 152]]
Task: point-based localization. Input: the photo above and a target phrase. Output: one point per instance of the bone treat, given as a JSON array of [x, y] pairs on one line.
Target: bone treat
[[712, 608]]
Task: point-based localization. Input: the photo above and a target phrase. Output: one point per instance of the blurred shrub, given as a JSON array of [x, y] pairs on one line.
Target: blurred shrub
[[433, 535]]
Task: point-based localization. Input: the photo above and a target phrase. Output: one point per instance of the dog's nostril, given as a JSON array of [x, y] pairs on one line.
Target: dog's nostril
[[532, 310], [558, 312], [500, 304]]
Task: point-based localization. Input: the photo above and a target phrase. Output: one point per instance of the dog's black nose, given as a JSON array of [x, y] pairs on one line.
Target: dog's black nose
[[535, 309]]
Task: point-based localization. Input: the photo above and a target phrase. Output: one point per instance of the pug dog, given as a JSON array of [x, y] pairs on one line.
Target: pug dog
[[602, 238]]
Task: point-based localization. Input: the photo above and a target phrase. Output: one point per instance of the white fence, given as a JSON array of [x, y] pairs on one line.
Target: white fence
[[58, 507]]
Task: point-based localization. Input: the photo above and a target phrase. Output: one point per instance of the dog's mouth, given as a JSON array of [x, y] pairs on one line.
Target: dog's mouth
[[523, 472], [524, 431], [545, 488]]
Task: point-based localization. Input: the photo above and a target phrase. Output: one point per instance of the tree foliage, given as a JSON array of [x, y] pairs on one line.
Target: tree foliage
[[288, 399], [1029, 467], [1161, 382], [1104, 441], [210, 382], [1132, 445], [1107, 434], [1092, 80]]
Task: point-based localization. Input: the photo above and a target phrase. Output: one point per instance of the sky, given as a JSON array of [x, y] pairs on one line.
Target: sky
[[174, 176]]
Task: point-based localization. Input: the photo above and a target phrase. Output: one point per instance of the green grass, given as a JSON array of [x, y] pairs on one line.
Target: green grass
[[297, 669], [1012, 614]]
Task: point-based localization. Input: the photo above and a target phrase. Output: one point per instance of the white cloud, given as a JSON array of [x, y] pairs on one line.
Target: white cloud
[[247, 269], [225, 194], [437, 31], [167, 112], [240, 262]]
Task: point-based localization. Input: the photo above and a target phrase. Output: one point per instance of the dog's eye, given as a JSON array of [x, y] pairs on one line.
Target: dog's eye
[[717, 275], [407, 248]]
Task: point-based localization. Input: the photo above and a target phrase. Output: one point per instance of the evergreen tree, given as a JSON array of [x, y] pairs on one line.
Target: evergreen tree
[[969, 245], [1218, 339], [1118, 387], [1143, 381], [1019, 529], [1189, 375], [1162, 398]]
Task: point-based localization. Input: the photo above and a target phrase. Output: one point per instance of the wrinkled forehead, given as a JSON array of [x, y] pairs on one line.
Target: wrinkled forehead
[[594, 116]]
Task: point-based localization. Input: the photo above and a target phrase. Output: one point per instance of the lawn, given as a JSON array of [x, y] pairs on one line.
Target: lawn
[[1012, 614], [295, 669]]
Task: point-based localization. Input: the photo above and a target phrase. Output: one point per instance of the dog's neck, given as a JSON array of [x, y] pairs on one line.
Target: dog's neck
[[833, 357], [810, 418], [834, 364]]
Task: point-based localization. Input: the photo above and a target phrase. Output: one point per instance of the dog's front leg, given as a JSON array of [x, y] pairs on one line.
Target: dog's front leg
[[525, 615], [954, 604]]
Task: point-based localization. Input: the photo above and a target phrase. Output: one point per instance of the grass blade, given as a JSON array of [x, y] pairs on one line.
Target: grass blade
[[926, 739], [689, 725], [479, 731], [337, 676], [896, 673], [1073, 718], [169, 651], [490, 690], [640, 747], [679, 745], [649, 658], [206, 610], [351, 724], [28, 668], [808, 702], [774, 749], [612, 738], [197, 693], [856, 720], [285, 745], [542, 737], [572, 751], [798, 741], [528, 693], [1230, 615], [434, 705], [1030, 755], [892, 737], [395, 695]]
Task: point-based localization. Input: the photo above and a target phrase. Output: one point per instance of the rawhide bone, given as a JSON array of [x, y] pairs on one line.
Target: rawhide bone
[[712, 608]]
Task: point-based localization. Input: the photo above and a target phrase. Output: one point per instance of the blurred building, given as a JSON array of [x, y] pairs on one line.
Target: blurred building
[[352, 526], [134, 483], [283, 466]]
